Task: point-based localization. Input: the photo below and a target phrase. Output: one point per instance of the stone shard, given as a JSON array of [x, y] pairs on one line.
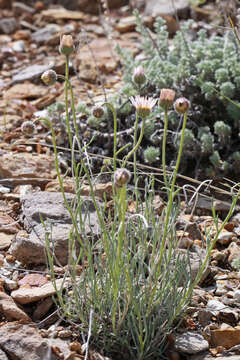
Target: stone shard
[[162, 7], [20, 341], [26, 295], [191, 342], [10, 310], [50, 208]]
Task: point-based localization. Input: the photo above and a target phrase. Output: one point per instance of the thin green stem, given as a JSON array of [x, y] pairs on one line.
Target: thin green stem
[[164, 147], [135, 153], [169, 209], [74, 112], [66, 100], [137, 144], [113, 110]]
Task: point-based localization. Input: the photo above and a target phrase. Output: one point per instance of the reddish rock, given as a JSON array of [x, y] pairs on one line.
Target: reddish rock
[[226, 337]]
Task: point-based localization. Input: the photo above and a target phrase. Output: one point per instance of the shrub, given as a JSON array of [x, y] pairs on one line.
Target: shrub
[[204, 69]]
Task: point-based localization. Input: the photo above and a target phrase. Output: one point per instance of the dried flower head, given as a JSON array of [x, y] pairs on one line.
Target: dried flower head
[[166, 98], [66, 45], [28, 128], [98, 111], [139, 76], [182, 105], [49, 77], [121, 177], [143, 105]]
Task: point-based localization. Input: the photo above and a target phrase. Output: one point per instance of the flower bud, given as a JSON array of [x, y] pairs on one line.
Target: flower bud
[[182, 105], [166, 98], [66, 45], [121, 177], [49, 77], [28, 128], [139, 76], [98, 112]]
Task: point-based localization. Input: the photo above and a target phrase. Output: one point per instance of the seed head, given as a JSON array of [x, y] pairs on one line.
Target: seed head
[[66, 45], [121, 177], [98, 112], [139, 76], [28, 128], [182, 105], [143, 105], [49, 77], [166, 98]]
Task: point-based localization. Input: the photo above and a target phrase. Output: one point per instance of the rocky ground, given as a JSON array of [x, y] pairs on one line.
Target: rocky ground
[[29, 36]]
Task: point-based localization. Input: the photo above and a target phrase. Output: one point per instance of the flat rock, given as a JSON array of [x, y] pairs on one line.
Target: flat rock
[[5, 240], [10, 310], [162, 7], [19, 8], [50, 207], [234, 252], [227, 338], [8, 225], [44, 205], [32, 249], [42, 36], [91, 6], [20, 341], [106, 63], [25, 91], [31, 72], [3, 356], [62, 13], [225, 237], [196, 260], [207, 356], [26, 295], [25, 165], [8, 25], [191, 343]]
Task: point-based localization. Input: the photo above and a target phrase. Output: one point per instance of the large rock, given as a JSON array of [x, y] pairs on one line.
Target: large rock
[[227, 338], [162, 7], [50, 208], [92, 6], [3, 356], [10, 310], [207, 356], [26, 295], [191, 342], [25, 165], [20, 342]]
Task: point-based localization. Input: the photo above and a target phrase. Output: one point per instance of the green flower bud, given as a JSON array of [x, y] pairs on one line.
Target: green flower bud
[[121, 177], [181, 105], [166, 98], [139, 76], [49, 77], [66, 45]]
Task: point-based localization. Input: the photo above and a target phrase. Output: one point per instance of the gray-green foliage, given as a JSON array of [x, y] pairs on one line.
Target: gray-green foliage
[[204, 69], [151, 154]]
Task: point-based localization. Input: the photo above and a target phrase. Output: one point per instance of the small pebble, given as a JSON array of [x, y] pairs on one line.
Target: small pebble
[[236, 295], [10, 258], [64, 334]]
